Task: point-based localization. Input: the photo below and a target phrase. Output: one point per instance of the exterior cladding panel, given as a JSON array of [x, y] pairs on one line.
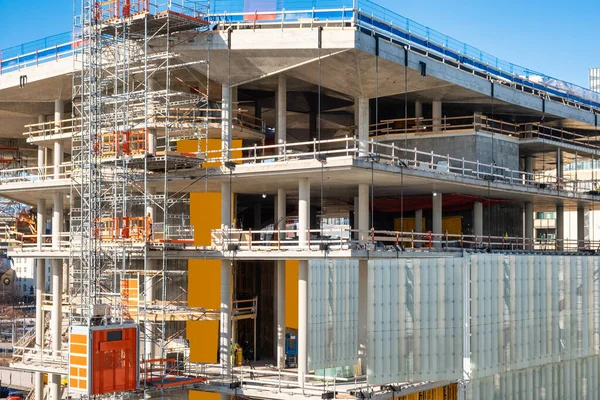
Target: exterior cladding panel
[[415, 320], [332, 310], [534, 323]]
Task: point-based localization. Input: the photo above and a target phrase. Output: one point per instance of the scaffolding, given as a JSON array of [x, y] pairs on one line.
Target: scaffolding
[[125, 105]]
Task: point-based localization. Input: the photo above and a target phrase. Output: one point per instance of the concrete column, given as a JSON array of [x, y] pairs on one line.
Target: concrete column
[[363, 276], [418, 113], [581, 244], [58, 158], [418, 109], [528, 232], [478, 220], [302, 320], [226, 122], [281, 130], [436, 111], [303, 212], [59, 109], [225, 320], [528, 168], [560, 227], [40, 222], [57, 220], [363, 212], [55, 388], [437, 219], [355, 234], [419, 226], [280, 298], [559, 168], [151, 137], [361, 120], [41, 161]]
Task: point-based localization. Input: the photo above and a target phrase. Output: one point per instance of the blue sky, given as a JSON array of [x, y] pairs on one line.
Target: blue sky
[[556, 37]]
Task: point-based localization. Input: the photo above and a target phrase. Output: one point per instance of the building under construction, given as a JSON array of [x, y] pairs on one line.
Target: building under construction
[[273, 199]]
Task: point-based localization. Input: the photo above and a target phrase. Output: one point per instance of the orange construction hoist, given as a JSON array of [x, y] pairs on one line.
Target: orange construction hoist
[[131, 228], [123, 144]]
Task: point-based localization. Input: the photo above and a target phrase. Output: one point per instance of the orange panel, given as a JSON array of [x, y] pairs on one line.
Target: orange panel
[[291, 294], [76, 338], [114, 360], [83, 372], [74, 383], [197, 395], [204, 284], [78, 348], [78, 360], [204, 341], [205, 214]]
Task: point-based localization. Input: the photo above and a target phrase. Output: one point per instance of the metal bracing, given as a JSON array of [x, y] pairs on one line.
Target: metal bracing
[[124, 103]]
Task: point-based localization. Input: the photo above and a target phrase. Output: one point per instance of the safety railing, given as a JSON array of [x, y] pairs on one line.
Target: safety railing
[[35, 174], [373, 18], [48, 358], [413, 158], [478, 123], [384, 240], [178, 120], [51, 48], [29, 242]]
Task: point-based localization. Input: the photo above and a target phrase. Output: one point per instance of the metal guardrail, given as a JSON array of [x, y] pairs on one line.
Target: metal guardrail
[[410, 158], [384, 240], [362, 13], [479, 123]]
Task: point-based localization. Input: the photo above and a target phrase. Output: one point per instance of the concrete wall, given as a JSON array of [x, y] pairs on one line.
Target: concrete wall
[[473, 147]]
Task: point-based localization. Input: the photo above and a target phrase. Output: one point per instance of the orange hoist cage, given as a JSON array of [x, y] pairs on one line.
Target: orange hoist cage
[[135, 228], [115, 144], [114, 360], [112, 9]]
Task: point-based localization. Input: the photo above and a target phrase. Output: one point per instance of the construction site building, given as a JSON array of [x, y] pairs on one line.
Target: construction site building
[[298, 200]]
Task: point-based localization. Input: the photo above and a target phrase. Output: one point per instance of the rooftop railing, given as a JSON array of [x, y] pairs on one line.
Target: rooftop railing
[[364, 14]]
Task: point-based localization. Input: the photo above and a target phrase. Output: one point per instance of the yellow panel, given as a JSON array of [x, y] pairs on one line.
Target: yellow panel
[[197, 395], [291, 294], [76, 338], [204, 284], [78, 360], [409, 224], [78, 348], [452, 224], [205, 214], [204, 341]]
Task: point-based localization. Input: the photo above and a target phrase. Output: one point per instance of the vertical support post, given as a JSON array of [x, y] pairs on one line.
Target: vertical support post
[[303, 212], [226, 121], [478, 221], [280, 269], [581, 240], [528, 232], [419, 227], [559, 168], [437, 220], [363, 276], [436, 112], [560, 227], [281, 130], [151, 134], [418, 114], [41, 161], [361, 120], [225, 319], [59, 108], [151, 265], [302, 321], [58, 158], [355, 234]]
